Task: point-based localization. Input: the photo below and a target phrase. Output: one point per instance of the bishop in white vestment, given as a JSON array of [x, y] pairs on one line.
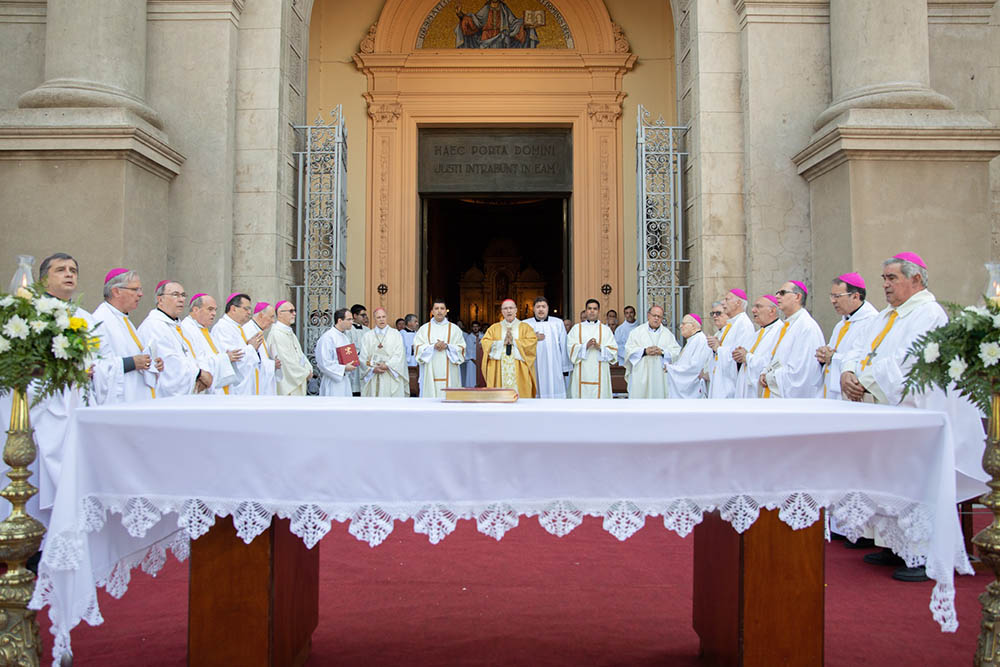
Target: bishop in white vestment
[[383, 360], [282, 341], [439, 348], [754, 360], [648, 350], [335, 379], [591, 348], [792, 371], [270, 365], [196, 327], [228, 335], [738, 332], [127, 368], [685, 375], [551, 357], [182, 372], [847, 294]]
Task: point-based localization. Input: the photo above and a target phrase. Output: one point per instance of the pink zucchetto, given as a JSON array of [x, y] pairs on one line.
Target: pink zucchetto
[[800, 285], [232, 296], [506, 300], [740, 293], [279, 305], [852, 279], [770, 297], [911, 257], [697, 318], [261, 305], [162, 283], [112, 273], [197, 296]]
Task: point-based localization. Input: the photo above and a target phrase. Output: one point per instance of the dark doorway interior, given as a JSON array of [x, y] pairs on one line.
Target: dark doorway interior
[[481, 250]]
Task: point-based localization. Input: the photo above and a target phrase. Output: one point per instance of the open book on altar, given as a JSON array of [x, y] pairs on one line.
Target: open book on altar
[[347, 354], [479, 395]]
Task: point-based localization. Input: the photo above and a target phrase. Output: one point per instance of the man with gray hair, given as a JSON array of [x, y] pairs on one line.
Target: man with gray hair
[[792, 370], [128, 367], [649, 349], [847, 294], [197, 329], [183, 373], [753, 360], [737, 332]]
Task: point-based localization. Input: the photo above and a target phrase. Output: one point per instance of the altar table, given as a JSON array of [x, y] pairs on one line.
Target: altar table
[[140, 479]]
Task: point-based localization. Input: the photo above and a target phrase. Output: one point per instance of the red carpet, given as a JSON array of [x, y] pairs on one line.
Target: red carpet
[[532, 599]]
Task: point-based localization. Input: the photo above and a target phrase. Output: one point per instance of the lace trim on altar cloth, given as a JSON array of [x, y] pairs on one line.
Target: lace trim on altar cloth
[[905, 526]]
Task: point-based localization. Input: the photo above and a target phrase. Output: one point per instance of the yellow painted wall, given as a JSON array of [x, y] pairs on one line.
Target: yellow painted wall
[[336, 29]]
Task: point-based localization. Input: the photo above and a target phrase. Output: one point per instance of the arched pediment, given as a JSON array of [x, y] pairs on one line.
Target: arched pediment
[[402, 27]]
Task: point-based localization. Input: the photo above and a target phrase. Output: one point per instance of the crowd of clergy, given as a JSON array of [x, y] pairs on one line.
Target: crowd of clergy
[[187, 346]]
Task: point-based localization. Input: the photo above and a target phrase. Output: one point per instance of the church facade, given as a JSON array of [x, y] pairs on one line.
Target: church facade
[[819, 137]]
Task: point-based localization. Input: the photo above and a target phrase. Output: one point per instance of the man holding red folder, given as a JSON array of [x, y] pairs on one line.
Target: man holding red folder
[[336, 356]]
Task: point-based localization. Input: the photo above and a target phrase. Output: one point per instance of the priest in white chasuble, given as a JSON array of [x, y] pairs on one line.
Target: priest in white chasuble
[[551, 360], [183, 373], [848, 296], [792, 371], [752, 361], [270, 365], [383, 360], [335, 377], [284, 345], [648, 350], [686, 375], [228, 334], [509, 353], [197, 329], [738, 332], [439, 348], [591, 348], [127, 369]]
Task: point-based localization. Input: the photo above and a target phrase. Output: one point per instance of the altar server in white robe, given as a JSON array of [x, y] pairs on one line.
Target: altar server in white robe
[[754, 360], [196, 328], [228, 335], [792, 371], [356, 333], [623, 330], [127, 368], [269, 365], [591, 348], [183, 373], [847, 294], [470, 369], [284, 344], [383, 360], [738, 332], [686, 375], [648, 350], [439, 348], [335, 379], [551, 357], [49, 417]]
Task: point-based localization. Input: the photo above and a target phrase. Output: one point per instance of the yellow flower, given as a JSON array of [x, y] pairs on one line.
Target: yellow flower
[[77, 323], [94, 342]]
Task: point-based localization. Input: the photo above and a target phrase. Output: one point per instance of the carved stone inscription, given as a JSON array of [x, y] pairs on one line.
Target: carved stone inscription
[[473, 161]]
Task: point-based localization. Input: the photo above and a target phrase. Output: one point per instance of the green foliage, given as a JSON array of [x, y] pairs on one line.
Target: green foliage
[[965, 351], [42, 344]]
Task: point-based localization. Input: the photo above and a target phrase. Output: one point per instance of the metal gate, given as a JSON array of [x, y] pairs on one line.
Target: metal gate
[[659, 212], [321, 248]]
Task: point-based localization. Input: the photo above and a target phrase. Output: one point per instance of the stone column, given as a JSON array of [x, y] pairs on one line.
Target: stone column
[[95, 56], [879, 57]]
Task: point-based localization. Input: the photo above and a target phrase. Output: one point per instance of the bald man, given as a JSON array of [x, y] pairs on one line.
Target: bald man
[[384, 373], [509, 348]]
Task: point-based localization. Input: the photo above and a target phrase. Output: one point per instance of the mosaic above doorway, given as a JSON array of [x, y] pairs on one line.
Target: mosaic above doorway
[[494, 24]]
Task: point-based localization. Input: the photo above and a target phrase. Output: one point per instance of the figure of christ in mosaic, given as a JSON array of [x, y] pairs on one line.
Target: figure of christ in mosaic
[[494, 26]]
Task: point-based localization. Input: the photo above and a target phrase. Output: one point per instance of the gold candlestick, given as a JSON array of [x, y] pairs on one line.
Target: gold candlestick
[[20, 538]]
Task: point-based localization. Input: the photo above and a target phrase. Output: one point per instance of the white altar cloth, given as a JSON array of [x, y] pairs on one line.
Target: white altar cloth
[[168, 468]]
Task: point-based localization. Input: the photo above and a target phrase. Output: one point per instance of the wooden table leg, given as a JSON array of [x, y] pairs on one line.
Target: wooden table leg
[[253, 605], [758, 597]]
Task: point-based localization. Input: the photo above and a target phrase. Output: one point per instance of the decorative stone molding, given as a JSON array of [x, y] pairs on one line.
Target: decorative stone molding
[[385, 115], [960, 11], [195, 10], [368, 43], [23, 11], [604, 114], [782, 11], [621, 43]]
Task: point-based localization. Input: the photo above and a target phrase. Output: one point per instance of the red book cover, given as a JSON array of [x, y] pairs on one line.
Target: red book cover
[[347, 354]]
